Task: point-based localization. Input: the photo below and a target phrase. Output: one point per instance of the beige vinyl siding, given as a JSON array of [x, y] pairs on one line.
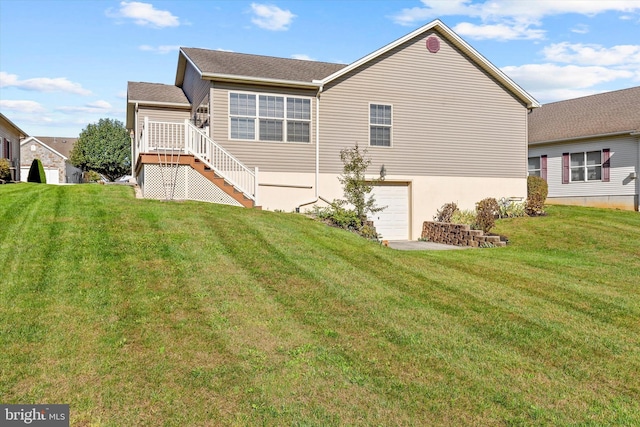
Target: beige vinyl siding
[[194, 87], [623, 161], [268, 156], [162, 115], [449, 117], [7, 131]]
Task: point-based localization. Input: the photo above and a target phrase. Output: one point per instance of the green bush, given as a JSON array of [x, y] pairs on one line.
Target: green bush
[[487, 212], [36, 172], [537, 190], [466, 216], [446, 212], [5, 170]]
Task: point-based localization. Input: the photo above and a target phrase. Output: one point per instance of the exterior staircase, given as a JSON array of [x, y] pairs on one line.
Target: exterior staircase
[[202, 154]]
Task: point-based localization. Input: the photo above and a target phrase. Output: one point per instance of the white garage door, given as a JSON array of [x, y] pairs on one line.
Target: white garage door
[[393, 222], [52, 175]]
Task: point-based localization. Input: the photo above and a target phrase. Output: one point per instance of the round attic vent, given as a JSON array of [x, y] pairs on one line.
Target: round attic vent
[[433, 44]]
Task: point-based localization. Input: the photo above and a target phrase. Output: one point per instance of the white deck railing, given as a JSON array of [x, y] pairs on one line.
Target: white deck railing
[[185, 137]]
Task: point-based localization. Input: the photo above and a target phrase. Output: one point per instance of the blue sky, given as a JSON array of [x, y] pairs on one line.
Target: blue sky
[[65, 64]]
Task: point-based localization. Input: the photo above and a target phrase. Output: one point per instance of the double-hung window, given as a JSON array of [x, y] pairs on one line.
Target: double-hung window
[[586, 166], [534, 166], [380, 125], [275, 118]]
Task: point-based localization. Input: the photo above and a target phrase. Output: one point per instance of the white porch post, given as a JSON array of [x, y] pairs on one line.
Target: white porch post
[[187, 133], [145, 135], [255, 186]]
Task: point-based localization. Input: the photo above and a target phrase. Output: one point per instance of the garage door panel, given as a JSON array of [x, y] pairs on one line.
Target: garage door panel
[[393, 222]]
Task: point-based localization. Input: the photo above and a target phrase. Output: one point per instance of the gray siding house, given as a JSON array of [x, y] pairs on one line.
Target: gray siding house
[[10, 137], [439, 121], [588, 149]]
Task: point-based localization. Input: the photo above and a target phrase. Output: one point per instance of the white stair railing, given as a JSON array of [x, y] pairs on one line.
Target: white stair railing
[[167, 136], [223, 163]]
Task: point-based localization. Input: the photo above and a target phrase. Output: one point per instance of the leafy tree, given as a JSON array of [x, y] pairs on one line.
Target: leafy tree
[[356, 188], [36, 172], [103, 147]]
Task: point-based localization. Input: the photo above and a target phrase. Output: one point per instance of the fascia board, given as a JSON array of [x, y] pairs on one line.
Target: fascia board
[[34, 139], [260, 81], [20, 131], [456, 40], [576, 138], [159, 103]]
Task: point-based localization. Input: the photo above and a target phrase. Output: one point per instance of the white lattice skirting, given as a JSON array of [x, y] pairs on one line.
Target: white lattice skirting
[[189, 185]]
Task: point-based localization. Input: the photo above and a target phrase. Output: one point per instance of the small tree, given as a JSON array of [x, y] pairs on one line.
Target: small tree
[[356, 188], [36, 172], [487, 212], [105, 148]]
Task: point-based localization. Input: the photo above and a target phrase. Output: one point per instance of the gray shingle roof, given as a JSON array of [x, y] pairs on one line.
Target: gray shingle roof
[[606, 113], [264, 67], [155, 92], [60, 144]]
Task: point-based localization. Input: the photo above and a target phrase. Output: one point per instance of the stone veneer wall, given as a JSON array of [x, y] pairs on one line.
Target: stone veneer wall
[[48, 158], [457, 235]]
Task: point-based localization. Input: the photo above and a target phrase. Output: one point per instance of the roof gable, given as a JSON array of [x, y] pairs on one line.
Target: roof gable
[[231, 66], [153, 94], [603, 114], [33, 139]]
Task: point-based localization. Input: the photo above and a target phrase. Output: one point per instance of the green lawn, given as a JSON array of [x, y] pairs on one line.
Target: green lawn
[[140, 312]]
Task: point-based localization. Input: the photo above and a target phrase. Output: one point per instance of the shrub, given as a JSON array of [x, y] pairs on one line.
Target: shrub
[[36, 172], [5, 170], [446, 212], [511, 209], [537, 190], [466, 216], [487, 211]]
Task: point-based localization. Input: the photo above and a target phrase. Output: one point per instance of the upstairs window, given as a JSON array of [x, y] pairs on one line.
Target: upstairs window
[[276, 118], [380, 125], [534, 166]]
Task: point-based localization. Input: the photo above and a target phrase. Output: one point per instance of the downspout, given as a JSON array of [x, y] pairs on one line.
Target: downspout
[[317, 172]]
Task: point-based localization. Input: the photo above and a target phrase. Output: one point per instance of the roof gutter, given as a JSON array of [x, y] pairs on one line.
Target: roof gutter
[[230, 78], [573, 138]]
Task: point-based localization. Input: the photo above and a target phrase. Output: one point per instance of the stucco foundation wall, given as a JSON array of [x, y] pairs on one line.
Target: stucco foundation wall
[[628, 203], [426, 194]]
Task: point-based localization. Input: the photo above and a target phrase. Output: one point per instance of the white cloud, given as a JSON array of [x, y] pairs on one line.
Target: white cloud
[[22, 106], [552, 82], [580, 29], [42, 84], [122, 94], [509, 18], [162, 49], [145, 14], [271, 17], [99, 106], [501, 32], [592, 54], [302, 56]]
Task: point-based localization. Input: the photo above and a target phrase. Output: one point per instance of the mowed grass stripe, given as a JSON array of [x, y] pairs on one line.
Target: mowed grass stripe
[[194, 314]]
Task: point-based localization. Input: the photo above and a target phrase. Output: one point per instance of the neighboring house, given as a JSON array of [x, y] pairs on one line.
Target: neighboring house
[[588, 149], [440, 123], [10, 136], [54, 154]]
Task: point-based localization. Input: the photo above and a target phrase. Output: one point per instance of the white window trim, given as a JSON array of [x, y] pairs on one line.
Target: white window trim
[[389, 126], [585, 167], [257, 118]]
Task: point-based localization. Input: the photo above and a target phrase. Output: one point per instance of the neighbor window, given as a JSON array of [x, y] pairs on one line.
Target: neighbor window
[[271, 116], [586, 166], [534, 166], [380, 125]]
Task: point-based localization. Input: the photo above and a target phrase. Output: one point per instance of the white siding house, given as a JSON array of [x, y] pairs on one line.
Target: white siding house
[[588, 149]]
